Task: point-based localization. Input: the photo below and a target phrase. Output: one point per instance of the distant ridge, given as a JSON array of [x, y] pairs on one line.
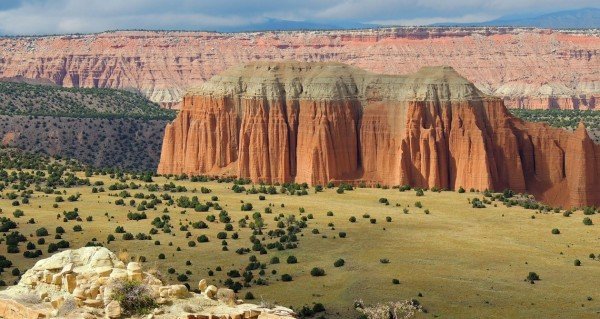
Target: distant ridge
[[585, 18]]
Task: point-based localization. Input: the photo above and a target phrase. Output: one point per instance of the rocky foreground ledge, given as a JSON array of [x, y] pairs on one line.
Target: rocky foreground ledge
[[88, 283]]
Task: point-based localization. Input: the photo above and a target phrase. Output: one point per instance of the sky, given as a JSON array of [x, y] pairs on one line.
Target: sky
[[33, 17]]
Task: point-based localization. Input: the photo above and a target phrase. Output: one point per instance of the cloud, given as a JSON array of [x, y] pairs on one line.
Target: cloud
[[81, 16]]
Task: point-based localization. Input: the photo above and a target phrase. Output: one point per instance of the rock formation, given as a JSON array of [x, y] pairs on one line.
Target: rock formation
[[80, 284], [330, 122], [530, 68]]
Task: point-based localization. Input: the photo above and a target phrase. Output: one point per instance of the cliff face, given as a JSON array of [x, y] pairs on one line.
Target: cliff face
[[529, 68], [322, 122]]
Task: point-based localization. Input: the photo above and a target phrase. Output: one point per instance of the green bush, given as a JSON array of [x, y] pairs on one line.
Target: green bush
[[317, 272], [532, 276], [286, 277], [292, 260], [339, 263], [222, 235], [134, 298], [587, 221], [555, 231]]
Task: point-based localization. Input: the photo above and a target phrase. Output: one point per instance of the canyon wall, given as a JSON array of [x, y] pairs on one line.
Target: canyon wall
[[529, 68], [322, 122]]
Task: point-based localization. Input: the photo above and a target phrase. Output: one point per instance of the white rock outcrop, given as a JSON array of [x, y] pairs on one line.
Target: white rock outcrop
[[81, 283]]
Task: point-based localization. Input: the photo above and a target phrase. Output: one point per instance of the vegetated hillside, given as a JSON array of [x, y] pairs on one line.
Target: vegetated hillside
[[99, 127], [131, 144], [568, 119], [29, 99]]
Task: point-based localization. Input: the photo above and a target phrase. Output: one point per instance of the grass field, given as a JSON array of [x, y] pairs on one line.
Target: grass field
[[457, 261]]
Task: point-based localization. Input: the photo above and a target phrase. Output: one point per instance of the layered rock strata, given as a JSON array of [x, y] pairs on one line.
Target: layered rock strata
[[529, 68], [330, 122]]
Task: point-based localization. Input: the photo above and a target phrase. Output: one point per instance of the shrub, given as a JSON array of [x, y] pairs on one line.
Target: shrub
[[577, 262], [202, 239], [286, 277], [161, 256], [330, 213], [396, 281], [352, 219], [41, 232], [373, 221], [246, 207], [77, 228], [339, 263], [388, 219], [292, 260], [532, 276], [587, 221], [222, 235], [461, 190], [134, 298], [318, 307], [249, 296], [420, 192], [384, 261], [342, 234]]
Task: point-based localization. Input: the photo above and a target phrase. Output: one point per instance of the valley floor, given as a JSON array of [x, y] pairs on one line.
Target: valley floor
[[457, 261]]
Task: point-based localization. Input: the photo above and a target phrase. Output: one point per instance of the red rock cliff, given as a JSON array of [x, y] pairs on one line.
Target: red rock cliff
[[529, 68], [321, 122]]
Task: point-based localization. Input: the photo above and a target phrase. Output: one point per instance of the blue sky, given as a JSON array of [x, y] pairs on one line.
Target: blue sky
[[83, 16]]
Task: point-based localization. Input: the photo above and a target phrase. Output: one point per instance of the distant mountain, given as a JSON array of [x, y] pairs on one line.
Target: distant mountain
[[585, 18], [289, 25]]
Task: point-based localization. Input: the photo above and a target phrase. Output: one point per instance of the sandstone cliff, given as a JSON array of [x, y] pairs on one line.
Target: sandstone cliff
[[530, 68], [322, 122]]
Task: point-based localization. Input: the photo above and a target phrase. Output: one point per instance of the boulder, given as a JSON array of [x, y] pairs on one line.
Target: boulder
[[178, 291], [211, 291], [112, 310], [226, 296], [202, 285]]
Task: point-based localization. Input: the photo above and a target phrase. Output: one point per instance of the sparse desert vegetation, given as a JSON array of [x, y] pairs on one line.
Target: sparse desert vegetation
[[193, 228], [99, 127], [567, 119]]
